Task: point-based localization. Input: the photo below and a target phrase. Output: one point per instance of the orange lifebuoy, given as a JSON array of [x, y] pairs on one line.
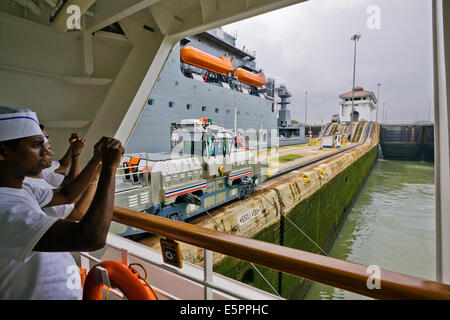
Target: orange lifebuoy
[[122, 277]]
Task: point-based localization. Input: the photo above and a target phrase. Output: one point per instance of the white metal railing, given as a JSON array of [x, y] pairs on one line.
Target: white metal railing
[[128, 177]]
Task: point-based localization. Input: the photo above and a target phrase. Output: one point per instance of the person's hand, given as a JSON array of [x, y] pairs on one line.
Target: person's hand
[[112, 152], [98, 149], [76, 145], [73, 136]]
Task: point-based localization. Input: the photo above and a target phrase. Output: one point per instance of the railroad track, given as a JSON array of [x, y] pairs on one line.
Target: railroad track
[[367, 134]]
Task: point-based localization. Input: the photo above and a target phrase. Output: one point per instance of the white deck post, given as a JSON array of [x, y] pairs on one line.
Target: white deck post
[[441, 48], [127, 97], [207, 272]]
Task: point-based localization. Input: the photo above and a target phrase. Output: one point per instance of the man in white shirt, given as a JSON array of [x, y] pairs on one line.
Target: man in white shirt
[[35, 262], [48, 179], [71, 157], [73, 211]]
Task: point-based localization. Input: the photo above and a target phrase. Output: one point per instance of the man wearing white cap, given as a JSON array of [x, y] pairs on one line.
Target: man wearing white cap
[[35, 262], [49, 179]]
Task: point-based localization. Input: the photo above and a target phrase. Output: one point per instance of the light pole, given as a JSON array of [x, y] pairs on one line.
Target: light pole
[[306, 110], [429, 110], [378, 101], [355, 38]]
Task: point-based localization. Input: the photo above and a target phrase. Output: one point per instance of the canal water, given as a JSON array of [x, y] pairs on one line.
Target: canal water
[[391, 225]]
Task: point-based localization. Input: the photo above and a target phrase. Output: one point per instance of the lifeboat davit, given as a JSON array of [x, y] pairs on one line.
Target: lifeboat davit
[[254, 79], [206, 61]]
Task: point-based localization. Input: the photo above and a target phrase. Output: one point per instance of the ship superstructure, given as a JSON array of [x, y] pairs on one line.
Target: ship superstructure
[[289, 133], [206, 76]]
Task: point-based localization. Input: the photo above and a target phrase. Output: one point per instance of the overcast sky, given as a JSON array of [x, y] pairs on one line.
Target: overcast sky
[[308, 47]]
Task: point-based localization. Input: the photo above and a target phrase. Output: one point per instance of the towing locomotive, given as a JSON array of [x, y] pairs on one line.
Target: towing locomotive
[[208, 167]]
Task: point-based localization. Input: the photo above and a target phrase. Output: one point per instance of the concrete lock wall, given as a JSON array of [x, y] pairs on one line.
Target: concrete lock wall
[[317, 207]]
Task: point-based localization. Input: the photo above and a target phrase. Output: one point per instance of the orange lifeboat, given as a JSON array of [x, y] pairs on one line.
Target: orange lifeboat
[[206, 61], [254, 79]]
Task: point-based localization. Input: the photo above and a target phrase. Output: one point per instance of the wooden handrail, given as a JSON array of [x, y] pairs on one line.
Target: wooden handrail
[[342, 274]]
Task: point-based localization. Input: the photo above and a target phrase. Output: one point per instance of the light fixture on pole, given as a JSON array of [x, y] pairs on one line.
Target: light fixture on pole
[[306, 110], [355, 38], [429, 110]]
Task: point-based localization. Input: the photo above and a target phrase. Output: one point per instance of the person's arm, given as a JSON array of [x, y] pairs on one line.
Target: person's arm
[[82, 205], [90, 233], [71, 192], [76, 146], [66, 160]]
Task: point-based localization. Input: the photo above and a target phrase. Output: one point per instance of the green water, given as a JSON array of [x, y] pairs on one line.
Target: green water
[[391, 225]]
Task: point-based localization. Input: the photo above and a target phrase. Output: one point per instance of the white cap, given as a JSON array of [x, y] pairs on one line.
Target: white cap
[[19, 125]]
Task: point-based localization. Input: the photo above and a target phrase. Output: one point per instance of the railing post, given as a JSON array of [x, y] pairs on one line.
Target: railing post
[[124, 256], [441, 47], [84, 263], [207, 272]]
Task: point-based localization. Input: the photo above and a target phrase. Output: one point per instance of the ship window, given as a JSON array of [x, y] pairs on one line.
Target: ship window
[[238, 113], [219, 146], [194, 147], [188, 107], [203, 108], [225, 148], [215, 146], [228, 111], [217, 110], [150, 102], [176, 83], [212, 146], [230, 143], [171, 104]]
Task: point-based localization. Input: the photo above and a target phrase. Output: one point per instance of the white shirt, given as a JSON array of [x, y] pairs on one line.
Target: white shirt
[[53, 178], [61, 211], [25, 274]]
